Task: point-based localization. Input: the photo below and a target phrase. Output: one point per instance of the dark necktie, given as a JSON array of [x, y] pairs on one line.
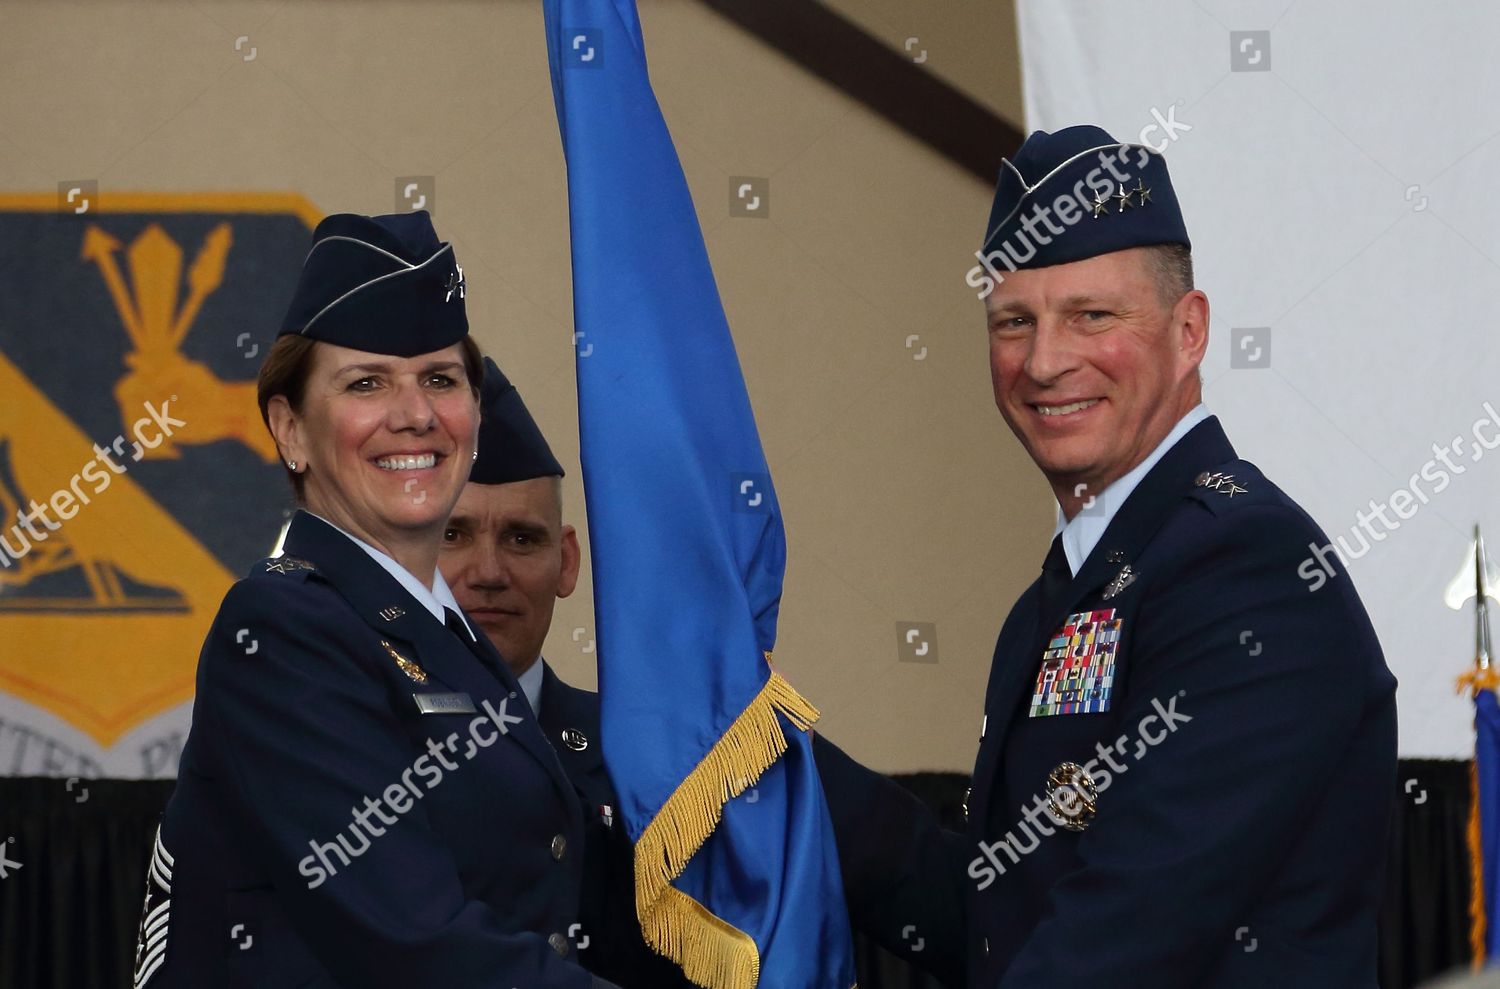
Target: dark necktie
[[457, 627], [1053, 586]]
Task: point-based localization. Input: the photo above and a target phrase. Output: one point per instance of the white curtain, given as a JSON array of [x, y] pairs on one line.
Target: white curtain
[[1341, 185]]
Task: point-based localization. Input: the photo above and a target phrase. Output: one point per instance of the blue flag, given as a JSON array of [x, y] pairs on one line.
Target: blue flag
[[736, 873], [1486, 798]]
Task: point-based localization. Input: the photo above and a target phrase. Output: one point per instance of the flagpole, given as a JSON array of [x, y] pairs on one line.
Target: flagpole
[[1477, 680], [1481, 606]]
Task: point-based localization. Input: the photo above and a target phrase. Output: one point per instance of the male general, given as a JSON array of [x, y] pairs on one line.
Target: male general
[[508, 557], [1187, 757]]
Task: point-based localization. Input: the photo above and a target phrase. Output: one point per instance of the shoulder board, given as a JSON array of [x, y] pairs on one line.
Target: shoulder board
[[1223, 487]]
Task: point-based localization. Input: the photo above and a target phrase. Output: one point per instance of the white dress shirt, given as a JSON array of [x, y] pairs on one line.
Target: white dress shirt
[[1083, 533], [434, 600], [531, 686]]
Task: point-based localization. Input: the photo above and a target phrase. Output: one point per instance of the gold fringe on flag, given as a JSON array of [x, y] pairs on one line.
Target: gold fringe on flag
[[1476, 680], [1477, 918], [710, 952], [1472, 683]]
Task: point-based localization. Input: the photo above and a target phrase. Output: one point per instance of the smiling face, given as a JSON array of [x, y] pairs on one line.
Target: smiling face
[[508, 558], [387, 441], [1092, 367]]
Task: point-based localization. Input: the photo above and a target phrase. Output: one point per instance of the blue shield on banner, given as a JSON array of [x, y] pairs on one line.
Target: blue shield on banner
[[136, 478]]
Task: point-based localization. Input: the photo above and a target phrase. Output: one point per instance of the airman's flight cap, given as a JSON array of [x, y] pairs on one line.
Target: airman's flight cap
[[511, 445], [1077, 193], [382, 284]]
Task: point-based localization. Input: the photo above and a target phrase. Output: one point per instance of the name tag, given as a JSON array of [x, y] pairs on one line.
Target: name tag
[[444, 703]]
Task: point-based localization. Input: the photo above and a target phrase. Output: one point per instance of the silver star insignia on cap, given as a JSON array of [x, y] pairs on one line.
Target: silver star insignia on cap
[[455, 283]]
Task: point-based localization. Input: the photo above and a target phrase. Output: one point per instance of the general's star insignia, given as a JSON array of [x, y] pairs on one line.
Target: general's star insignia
[[1101, 205], [1123, 198], [1142, 193], [1223, 483], [287, 564]]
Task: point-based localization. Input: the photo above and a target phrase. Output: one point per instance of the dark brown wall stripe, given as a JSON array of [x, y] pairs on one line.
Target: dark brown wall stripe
[[844, 55]]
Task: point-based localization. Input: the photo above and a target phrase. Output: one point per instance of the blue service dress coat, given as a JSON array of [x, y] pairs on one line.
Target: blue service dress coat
[[611, 944], [1244, 771], [327, 696]]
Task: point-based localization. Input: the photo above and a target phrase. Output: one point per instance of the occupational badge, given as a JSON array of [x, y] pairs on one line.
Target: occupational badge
[[411, 669], [1119, 582]]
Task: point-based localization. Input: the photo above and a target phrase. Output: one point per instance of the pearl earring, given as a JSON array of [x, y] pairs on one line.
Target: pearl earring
[[476, 455]]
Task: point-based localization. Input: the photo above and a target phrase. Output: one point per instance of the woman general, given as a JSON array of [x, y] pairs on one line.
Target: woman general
[[365, 798]]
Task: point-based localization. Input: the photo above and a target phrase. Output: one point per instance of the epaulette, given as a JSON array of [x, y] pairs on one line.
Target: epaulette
[[1227, 485]]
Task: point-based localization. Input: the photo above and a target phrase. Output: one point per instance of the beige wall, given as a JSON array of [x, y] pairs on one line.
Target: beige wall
[[971, 44], [905, 497]]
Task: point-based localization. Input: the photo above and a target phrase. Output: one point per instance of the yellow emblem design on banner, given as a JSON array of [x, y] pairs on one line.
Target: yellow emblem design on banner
[[103, 610]]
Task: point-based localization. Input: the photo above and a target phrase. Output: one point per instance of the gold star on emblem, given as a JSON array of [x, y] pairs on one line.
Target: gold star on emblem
[[1143, 193], [1123, 198], [1101, 205]]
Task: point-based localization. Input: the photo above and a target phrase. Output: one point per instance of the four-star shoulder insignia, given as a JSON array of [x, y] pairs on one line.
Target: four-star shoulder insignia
[[287, 564], [1218, 481]]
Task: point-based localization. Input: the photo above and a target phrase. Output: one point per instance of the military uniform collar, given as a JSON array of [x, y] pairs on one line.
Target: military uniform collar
[[382, 601], [574, 712], [1083, 532], [434, 600], [1155, 496], [531, 685]]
